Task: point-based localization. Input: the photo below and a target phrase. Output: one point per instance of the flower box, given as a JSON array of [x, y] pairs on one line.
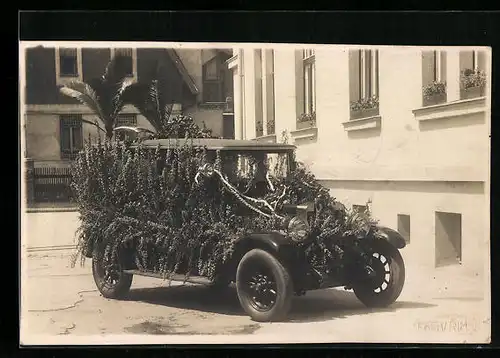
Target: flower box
[[364, 113], [471, 92], [305, 124], [434, 99]]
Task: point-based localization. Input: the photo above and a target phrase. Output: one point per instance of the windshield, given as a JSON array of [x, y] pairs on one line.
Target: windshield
[[254, 173]]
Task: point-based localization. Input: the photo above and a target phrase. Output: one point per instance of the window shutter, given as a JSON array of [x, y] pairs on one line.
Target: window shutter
[[354, 75], [481, 60], [466, 60], [443, 65], [427, 67]]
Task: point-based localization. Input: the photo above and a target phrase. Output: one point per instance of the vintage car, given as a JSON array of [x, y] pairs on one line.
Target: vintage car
[[269, 268]]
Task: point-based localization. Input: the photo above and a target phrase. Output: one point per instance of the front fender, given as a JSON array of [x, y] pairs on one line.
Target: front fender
[[272, 241], [286, 250], [391, 236]]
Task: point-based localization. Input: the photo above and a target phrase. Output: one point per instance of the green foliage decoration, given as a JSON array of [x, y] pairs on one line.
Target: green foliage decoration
[[177, 225]]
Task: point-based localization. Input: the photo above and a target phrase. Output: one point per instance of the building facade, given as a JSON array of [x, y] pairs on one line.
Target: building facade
[[198, 79], [392, 128]]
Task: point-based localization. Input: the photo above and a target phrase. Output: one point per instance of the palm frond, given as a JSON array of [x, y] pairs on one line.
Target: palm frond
[[115, 71], [84, 93], [141, 96], [118, 102], [133, 129], [155, 100]]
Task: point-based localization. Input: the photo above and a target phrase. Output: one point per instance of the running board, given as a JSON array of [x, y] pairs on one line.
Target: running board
[[199, 280]]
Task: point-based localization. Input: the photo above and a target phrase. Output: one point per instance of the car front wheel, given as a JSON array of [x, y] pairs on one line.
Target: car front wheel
[[264, 286], [387, 281]]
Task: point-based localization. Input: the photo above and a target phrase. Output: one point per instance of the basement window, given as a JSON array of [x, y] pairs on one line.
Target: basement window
[[404, 226]]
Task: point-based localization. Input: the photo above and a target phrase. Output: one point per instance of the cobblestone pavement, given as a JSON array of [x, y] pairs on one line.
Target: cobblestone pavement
[[63, 303]]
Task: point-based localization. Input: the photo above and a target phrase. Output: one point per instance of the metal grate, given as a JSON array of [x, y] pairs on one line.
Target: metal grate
[[71, 135], [52, 184], [127, 119]]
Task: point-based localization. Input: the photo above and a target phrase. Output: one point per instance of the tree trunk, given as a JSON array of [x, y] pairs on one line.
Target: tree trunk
[[109, 132]]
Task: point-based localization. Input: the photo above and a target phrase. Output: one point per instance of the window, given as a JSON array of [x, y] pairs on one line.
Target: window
[[68, 62], [434, 77], [259, 94], [71, 135], [217, 80], [269, 110], [404, 226], [472, 74], [126, 119], [128, 60], [364, 81], [68, 65], [308, 65]]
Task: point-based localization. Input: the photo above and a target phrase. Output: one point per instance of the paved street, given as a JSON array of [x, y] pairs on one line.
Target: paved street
[[62, 302]]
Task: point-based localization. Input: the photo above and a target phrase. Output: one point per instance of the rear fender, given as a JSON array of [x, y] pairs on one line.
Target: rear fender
[[393, 237]]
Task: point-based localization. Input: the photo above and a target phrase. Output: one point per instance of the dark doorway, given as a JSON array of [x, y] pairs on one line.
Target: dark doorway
[[448, 238]]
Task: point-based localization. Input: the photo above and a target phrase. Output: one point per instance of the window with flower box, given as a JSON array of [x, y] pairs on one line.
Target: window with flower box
[[269, 86], [307, 118], [259, 115], [364, 83], [472, 74], [264, 70], [434, 77], [71, 135]]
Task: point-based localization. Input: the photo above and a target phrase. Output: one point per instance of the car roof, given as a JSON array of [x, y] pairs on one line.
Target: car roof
[[218, 144]]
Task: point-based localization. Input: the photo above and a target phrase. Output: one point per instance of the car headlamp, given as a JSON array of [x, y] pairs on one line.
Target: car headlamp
[[298, 228]]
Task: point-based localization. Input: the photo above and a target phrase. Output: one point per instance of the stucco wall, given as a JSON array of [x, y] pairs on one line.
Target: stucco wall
[[403, 146], [411, 164], [420, 200], [43, 131], [211, 118]]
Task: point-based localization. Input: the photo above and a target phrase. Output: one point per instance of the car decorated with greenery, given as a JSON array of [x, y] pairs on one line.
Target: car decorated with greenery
[[216, 212]]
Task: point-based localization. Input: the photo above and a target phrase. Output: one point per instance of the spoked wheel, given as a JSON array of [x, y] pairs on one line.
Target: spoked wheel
[[108, 274], [387, 281], [264, 286]]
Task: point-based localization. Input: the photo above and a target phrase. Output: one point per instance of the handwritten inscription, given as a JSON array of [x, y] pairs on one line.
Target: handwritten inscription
[[452, 324]]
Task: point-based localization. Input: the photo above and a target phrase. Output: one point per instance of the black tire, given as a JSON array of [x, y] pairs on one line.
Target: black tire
[[116, 286], [274, 286], [372, 293]]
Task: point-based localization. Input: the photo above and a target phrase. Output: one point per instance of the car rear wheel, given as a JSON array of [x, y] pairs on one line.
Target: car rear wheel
[[264, 287], [388, 279], [108, 274]]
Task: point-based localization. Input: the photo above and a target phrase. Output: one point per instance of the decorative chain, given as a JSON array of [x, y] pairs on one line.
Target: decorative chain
[[208, 171]]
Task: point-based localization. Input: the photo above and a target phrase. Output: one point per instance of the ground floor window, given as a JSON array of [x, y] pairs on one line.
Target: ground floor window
[[71, 140], [126, 119]]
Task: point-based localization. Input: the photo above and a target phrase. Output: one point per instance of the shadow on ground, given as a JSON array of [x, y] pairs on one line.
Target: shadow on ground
[[321, 305]]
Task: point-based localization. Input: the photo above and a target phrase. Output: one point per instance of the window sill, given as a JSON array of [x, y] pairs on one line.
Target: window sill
[[64, 80], [451, 109], [213, 105], [305, 133], [269, 138], [372, 122]]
